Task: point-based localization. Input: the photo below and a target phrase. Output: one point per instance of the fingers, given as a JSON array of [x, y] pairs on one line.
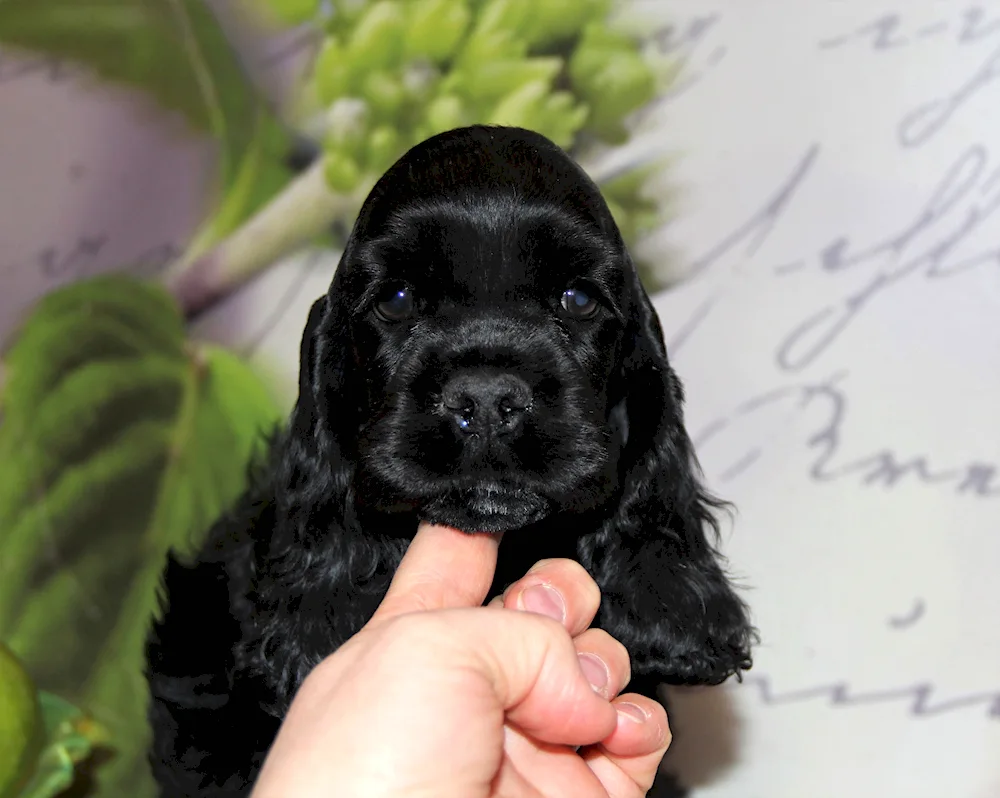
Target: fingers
[[511, 783], [627, 760], [551, 769], [560, 589], [529, 663], [443, 568], [605, 662]]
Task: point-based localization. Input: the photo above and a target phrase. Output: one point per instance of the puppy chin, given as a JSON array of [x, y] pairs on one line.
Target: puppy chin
[[486, 508]]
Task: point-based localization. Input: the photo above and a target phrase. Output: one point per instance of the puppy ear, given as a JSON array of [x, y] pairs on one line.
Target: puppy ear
[[308, 407], [664, 593], [317, 575], [317, 455]]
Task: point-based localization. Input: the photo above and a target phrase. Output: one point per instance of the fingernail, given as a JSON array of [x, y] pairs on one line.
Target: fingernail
[[543, 600], [595, 670], [632, 712]]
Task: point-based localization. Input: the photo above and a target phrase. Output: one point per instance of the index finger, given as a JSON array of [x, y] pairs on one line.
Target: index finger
[[443, 568]]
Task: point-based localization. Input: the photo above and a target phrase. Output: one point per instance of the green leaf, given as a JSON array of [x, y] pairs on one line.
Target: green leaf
[[21, 725], [176, 52], [42, 737], [70, 737], [119, 439]]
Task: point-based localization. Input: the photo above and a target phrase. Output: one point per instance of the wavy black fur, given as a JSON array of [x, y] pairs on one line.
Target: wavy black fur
[[489, 226]]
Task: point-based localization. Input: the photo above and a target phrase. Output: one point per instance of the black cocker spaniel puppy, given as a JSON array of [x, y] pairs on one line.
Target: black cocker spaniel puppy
[[486, 358]]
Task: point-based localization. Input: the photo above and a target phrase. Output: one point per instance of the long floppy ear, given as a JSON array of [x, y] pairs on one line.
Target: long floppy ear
[[319, 447], [664, 593], [318, 575]]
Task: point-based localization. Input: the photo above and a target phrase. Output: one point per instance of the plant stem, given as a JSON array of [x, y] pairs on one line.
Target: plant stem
[[305, 209], [302, 211]]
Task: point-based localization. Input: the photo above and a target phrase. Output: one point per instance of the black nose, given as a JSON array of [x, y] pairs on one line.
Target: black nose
[[486, 402]]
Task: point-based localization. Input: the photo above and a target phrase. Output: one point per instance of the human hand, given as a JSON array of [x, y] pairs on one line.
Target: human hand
[[439, 696]]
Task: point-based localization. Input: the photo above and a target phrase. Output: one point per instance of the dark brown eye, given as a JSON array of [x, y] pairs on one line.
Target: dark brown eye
[[395, 303], [579, 303]]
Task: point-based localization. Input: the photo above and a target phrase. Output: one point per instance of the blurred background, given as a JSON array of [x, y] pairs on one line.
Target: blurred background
[[812, 188]]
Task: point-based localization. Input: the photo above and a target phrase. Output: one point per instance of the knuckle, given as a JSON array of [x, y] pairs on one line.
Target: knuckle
[[612, 645], [569, 572]]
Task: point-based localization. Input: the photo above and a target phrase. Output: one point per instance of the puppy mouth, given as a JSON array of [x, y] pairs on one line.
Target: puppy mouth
[[486, 507]]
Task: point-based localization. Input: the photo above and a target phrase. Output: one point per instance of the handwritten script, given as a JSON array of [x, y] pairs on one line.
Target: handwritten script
[[881, 468], [973, 27], [917, 700], [946, 229]]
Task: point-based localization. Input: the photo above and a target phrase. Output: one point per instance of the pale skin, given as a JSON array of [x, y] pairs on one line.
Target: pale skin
[[440, 696]]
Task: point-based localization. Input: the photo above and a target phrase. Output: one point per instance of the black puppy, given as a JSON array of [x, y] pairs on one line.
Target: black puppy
[[485, 358]]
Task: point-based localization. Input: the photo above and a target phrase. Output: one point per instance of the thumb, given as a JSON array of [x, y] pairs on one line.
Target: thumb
[[443, 568], [527, 663]]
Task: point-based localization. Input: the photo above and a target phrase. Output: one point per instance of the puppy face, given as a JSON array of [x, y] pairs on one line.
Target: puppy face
[[487, 329], [487, 358]]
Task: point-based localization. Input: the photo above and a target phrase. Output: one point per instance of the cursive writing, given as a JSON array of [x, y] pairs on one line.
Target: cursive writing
[[892, 31], [692, 42], [744, 242], [914, 615], [747, 239], [883, 468], [314, 261], [920, 124], [920, 697], [933, 244], [85, 256]]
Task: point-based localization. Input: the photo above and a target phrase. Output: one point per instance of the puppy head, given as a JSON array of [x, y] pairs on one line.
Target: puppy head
[[487, 357], [466, 358], [474, 358]]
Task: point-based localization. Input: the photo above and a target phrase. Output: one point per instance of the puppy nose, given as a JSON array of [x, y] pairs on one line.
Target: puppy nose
[[480, 402]]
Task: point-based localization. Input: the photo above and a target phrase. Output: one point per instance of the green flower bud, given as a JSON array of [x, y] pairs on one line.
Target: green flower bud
[[435, 29], [491, 81], [512, 16], [377, 40], [446, 112], [533, 107], [559, 20], [291, 12], [612, 76], [561, 120], [596, 46], [384, 93], [487, 46], [341, 171], [522, 107], [384, 147], [333, 76], [625, 84]]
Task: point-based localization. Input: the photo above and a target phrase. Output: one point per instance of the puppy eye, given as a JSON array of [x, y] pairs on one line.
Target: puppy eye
[[395, 303], [579, 303]]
